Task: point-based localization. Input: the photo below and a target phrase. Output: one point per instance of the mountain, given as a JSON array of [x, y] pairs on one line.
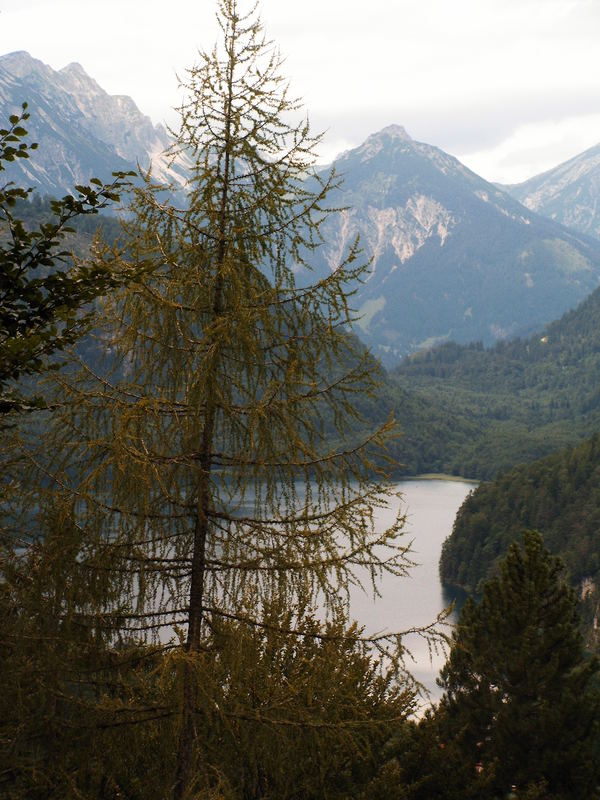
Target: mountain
[[569, 193], [81, 130], [454, 257], [559, 497]]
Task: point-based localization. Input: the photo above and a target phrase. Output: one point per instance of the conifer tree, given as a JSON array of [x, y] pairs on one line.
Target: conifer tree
[[212, 463], [519, 698]]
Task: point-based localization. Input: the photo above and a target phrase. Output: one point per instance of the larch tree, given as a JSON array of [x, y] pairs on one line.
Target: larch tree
[[212, 467]]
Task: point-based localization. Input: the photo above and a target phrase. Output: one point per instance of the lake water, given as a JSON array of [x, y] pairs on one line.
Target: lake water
[[430, 507], [416, 600]]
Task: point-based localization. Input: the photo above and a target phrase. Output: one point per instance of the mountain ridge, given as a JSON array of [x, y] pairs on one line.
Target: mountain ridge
[[82, 131], [568, 193], [524, 398], [453, 257]]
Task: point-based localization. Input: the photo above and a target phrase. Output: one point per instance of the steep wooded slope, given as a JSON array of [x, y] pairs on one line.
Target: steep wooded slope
[[558, 496]]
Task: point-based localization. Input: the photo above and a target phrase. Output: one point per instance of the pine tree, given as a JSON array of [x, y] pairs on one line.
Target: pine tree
[[214, 469], [519, 699]]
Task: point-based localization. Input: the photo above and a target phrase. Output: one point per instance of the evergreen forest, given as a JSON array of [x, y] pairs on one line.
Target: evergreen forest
[[558, 496], [515, 402]]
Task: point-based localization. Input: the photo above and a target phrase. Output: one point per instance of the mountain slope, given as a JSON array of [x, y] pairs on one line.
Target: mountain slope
[[82, 131], [568, 193], [454, 258], [524, 398]]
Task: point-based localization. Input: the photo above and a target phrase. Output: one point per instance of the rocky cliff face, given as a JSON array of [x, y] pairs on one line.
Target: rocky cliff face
[[569, 193], [82, 131]]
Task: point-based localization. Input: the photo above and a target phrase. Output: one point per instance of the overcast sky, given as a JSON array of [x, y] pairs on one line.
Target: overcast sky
[[511, 87]]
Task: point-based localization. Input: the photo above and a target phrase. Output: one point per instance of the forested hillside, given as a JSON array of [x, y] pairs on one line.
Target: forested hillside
[[464, 410], [38, 210], [523, 398], [558, 496]]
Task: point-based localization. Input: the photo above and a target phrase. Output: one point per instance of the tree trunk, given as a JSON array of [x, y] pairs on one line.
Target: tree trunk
[[188, 732]]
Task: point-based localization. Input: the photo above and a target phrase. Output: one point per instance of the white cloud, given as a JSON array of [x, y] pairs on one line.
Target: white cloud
[[535, 148]]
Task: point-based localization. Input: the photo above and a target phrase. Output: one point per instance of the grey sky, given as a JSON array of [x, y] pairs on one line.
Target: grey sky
[[509, 86]]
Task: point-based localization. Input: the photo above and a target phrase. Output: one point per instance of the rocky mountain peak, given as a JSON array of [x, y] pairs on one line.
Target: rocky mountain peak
[[81, 87], [390, 132], [442, 242], [20, 64], [378, 142], [74, 68], [82, 130]]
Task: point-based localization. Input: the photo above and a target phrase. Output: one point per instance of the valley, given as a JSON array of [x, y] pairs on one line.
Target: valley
[[287, 415]]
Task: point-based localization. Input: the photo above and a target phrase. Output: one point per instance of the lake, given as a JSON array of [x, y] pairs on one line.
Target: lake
[[430, 507]]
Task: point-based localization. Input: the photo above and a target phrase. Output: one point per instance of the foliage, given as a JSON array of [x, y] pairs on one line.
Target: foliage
[[58, 708], [420, 763], [518, 689], [40, 304], [558, 496], [82, 716], [518, 401], [301, 716]]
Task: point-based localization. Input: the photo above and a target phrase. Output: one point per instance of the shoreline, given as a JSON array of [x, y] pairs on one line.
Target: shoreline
[[441, 476]]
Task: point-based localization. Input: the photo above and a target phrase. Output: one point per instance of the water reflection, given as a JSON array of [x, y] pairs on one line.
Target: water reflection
[[430, 507]]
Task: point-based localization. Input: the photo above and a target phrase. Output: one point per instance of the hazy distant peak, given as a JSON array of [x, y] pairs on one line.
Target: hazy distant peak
[[16, 57], [390, 132], [83, 88], [567, 193], [20, 63], [376, 142], [74, 68]]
